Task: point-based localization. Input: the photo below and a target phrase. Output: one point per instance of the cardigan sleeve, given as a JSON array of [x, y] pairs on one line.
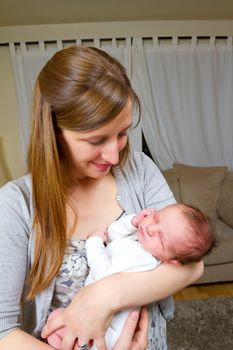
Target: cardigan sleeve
[[14, 237], [156, 190]]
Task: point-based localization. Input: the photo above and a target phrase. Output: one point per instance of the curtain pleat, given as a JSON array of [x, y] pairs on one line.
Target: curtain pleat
[[186, 91]]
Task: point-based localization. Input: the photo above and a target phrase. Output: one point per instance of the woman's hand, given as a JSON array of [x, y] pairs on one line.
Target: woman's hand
[[87, 317], [135, 332], [133, 337]]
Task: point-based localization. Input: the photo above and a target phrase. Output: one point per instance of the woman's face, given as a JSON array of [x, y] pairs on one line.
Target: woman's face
[[93, 153]]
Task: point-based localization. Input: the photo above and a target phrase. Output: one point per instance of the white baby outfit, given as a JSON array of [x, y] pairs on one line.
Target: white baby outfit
[[122, 254]]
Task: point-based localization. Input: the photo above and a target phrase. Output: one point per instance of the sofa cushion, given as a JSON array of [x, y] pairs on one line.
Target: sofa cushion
[[200, 186], [171, 177], [225, 201], [223, 253]]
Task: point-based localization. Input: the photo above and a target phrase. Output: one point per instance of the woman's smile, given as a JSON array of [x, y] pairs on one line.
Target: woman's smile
[[102, 166]]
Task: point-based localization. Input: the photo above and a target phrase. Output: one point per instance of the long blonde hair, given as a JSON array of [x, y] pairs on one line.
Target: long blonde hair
[[78, 89]]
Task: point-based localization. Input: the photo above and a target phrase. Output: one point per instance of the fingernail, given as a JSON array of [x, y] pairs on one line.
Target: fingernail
[[134, 315]]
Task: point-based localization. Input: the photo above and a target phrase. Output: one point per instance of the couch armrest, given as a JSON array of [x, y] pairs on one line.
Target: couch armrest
[[225, 200]]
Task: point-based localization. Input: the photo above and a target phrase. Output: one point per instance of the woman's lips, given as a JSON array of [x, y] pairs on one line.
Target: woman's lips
[[101, 166]]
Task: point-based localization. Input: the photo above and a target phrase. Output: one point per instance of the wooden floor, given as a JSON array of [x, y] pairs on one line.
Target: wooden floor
[[205, 291]]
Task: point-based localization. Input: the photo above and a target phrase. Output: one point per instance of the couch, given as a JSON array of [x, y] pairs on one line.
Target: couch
[[211, 190]]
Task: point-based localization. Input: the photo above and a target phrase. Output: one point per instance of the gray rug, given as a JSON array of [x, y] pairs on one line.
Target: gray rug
[[203, 324]]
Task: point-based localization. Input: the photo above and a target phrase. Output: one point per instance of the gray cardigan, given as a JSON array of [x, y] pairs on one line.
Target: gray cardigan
[[139, 185]]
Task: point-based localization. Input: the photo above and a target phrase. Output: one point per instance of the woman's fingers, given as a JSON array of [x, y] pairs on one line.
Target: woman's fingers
[[140, 338], [144, 319], [100, 343], [127, 334], [68, 341]]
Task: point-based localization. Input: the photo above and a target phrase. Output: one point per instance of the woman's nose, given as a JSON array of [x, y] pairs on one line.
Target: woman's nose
[[110, 152]]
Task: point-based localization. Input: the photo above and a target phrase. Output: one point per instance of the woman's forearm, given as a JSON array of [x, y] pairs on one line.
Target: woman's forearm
[[91, 310], [20, 340], [140, 288]]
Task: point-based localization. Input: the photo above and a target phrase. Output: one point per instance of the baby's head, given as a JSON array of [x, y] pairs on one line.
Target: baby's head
[[177, 233]]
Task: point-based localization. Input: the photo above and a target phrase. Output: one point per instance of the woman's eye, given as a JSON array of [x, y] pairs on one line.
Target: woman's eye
[[96, 143], [101, 141]]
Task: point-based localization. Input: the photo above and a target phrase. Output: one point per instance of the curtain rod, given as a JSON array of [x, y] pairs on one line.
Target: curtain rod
[[115, 29]]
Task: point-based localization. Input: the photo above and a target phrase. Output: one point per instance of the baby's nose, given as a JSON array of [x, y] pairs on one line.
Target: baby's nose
[[151, 229]]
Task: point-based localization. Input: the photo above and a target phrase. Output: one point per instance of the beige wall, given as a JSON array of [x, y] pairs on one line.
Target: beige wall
[[10, 148]]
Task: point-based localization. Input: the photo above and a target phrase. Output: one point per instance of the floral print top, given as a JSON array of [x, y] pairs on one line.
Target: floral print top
[[72, 275]]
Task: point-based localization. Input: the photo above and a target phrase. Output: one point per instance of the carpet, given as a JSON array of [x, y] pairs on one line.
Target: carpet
[[203, 324]]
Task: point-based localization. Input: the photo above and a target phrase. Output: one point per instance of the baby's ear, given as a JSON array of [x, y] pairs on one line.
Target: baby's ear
[[174, 262]]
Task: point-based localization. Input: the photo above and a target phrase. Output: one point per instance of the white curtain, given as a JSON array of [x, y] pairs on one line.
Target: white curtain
[[186, 91], [28, 59]]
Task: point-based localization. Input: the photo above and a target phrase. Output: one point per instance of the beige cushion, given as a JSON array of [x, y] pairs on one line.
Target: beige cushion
[[225, 202], [172, 177], [200, 186], [223, 253]]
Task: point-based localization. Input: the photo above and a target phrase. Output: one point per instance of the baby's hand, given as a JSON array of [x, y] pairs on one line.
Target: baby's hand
[[55, 339], [137, 219], [100, 233]]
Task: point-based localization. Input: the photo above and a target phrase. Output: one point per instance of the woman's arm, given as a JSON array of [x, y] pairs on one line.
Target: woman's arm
[[20, 340], [140, 288], [88, 317]]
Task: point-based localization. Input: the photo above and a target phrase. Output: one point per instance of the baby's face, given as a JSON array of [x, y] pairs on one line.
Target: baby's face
[[163, 232]]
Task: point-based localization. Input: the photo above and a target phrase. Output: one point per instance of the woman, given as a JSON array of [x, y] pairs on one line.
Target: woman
[[81, 176]]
